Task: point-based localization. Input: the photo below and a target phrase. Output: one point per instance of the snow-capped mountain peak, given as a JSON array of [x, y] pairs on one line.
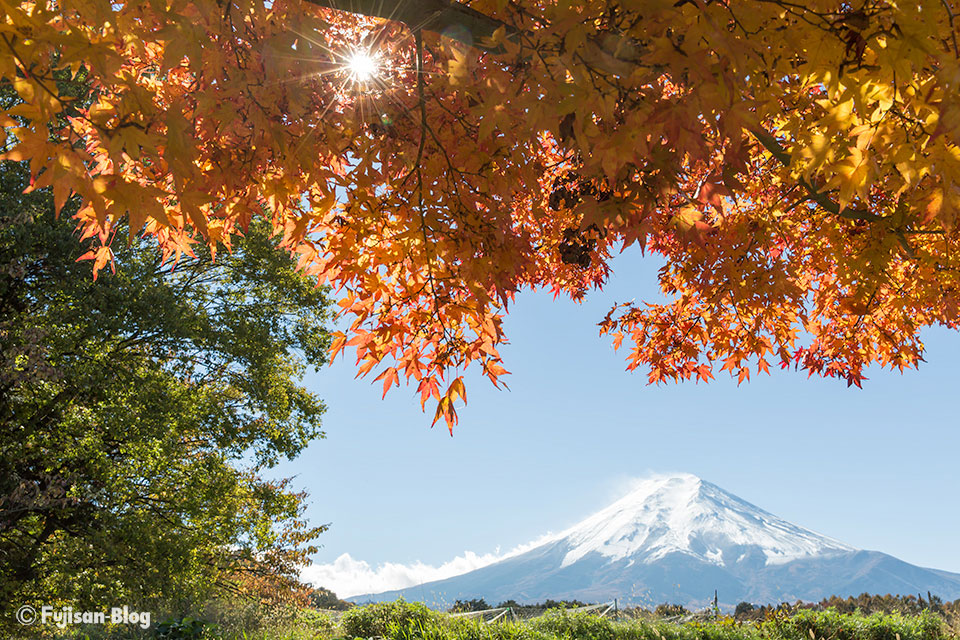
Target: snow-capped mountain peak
[[677, 538], [682, 513]]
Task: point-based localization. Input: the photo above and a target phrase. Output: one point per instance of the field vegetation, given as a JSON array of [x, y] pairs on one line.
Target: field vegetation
[[413, 621]]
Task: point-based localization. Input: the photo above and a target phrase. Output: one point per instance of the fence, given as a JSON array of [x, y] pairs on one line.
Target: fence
[[503, 613], [604, 609]]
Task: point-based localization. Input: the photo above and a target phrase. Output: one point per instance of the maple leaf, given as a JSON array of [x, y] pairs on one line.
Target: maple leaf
[[712, 192], [501, 146], [100, 257]]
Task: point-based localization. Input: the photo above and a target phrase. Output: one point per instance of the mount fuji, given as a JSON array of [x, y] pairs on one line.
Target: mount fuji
[[677, 539]]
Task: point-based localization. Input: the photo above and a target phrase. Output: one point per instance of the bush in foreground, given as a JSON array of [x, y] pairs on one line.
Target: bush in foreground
[[832, 625], [397, 617], [410, 621], [413, 621]]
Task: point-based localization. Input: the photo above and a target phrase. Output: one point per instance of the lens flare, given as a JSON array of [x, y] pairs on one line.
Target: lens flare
[[362, 66]]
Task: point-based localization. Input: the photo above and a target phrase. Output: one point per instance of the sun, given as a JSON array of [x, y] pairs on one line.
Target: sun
[[362, 66]]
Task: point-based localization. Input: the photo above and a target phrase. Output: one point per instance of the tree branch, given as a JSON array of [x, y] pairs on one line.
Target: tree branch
[[770, 143], [608, 54], [451, 19], [470, 27]]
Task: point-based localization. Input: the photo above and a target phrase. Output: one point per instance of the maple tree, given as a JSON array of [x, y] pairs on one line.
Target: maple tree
[[795, 164]]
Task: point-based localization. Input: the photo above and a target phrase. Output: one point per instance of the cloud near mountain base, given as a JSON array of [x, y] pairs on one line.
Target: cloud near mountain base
[[349, 577]]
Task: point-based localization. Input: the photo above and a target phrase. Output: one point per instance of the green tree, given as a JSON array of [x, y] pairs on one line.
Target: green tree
[[322, 598], [138, 414], [743, 610], [667, 610], [465, 606]]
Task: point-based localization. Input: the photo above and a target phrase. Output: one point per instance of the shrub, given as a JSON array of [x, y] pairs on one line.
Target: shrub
[[375, 620], [575, 625], [670, 610], [743, 608], [833, 625], [321, 623], [186, 628], [463, 606]]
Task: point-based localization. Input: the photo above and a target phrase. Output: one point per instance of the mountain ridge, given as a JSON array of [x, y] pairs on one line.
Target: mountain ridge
[[677, 538]]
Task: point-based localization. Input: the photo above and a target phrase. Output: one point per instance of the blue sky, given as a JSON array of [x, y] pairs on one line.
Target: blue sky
[[877, 468]]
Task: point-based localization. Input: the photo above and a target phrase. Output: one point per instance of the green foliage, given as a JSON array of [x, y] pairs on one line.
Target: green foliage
[[530, 610], [869, 603], [321, 598], [476, 604], [321, 623], [743, 609], [137, 415], [670, 610], [834, 625], [405, 621], [576, 625], [234, 616], [444, 628], [721, 629], [409, 621], [399, 617], [186, 628]]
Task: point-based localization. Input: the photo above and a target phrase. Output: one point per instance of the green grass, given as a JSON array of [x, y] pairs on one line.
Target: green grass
[[411, 621]]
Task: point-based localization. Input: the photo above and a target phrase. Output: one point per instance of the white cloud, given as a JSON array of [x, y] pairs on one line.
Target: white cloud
[[347, 577]]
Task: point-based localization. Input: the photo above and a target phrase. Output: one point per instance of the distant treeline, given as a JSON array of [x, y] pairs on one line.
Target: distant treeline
[[521, 610], [865, 603]]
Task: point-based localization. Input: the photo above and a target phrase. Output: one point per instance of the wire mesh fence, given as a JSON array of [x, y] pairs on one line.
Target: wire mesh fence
[[519, 612], [493, 614], [609, 609]]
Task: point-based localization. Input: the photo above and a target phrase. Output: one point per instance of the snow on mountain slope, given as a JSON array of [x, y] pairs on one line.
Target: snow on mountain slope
[[680, 539], [682, 513]]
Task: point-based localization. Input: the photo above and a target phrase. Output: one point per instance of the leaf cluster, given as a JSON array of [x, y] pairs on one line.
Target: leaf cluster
[[138, 413], [795, 166]]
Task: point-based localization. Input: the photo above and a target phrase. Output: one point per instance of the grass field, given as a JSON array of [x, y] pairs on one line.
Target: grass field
[[409, 621]]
